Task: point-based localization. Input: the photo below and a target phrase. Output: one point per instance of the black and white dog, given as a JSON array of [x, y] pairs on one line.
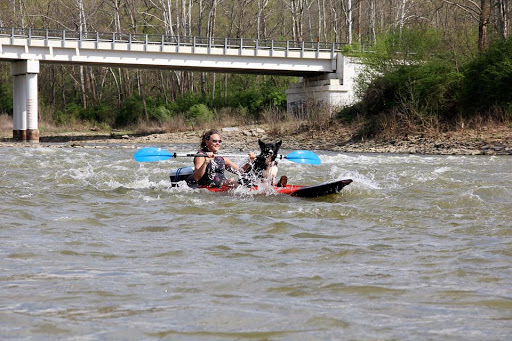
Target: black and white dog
[[264, 166]]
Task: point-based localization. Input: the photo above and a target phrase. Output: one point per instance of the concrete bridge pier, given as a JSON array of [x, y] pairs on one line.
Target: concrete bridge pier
[[330, 91], [25, 100]]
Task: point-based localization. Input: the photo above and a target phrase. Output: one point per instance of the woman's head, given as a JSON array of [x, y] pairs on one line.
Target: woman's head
[[210, 141]]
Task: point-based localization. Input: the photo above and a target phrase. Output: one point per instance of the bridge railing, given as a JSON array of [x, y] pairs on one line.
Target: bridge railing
[[157, 39]]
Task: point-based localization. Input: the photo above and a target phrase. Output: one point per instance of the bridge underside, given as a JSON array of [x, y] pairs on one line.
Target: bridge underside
[[225, 69]]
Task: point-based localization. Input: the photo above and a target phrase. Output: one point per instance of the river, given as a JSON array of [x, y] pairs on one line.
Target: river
[[96, 246]]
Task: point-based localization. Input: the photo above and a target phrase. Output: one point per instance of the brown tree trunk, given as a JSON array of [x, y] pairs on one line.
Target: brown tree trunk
[[485, 12], [82, 87], [359, 9], [142, 94]]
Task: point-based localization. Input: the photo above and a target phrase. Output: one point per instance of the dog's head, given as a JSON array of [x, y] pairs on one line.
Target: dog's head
[[269, 150], [264, 161]]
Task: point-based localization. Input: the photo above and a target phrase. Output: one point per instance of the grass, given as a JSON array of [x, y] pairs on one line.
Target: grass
[[6, 126]]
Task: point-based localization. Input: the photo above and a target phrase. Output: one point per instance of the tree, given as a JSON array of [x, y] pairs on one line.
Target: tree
[[480, 12], [485, 13], [349, 21], [261, 31], [503, 17], [297, 8]]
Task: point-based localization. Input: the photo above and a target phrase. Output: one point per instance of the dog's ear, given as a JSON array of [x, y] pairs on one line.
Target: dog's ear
[[262, 145], [278, 144]]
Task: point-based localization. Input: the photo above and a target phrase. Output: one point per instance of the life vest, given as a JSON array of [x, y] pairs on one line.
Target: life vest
[[214, 174]]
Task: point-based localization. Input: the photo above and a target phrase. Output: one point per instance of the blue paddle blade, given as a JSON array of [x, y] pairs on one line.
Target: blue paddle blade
[[152, 154], [304, 156]]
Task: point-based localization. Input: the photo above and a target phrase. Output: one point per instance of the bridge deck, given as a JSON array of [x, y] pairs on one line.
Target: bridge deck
[[169, 52]]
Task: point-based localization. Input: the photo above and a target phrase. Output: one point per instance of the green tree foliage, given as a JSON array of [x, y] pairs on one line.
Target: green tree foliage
[[161, 114], [435, 89], [255, 93], [424, 89], [408, 72], [198, 113], [5, 98], [183, 103], [488, 80], [130, 112]]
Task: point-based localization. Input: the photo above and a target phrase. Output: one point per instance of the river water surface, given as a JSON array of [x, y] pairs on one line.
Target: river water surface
[[95, 246]]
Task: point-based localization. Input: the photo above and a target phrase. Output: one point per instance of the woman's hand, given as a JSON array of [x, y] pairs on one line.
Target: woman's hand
[[252, 156], [248, 165], [209, 157]]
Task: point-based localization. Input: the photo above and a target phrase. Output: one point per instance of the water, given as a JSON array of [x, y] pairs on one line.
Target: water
[[97, 246]]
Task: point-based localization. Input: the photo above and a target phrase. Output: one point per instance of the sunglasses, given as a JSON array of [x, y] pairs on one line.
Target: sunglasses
[[216, 141]]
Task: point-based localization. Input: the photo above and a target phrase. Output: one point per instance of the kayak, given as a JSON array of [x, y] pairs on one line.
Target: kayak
[[313, 191]]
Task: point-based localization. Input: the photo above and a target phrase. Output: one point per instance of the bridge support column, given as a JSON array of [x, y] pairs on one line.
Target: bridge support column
[[25, 100], [327, 94], [19, 116], [330, 92]]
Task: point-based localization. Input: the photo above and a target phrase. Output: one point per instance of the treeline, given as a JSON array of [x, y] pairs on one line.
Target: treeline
[[432, 91], [463, 30]]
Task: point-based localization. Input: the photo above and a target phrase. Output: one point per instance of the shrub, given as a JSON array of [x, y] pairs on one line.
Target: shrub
[[160, 114], [189, 99], [6, 99], [427, 89], [73, 112], [198, 113], [96, 114], [488, 78], [130, 112], [276, 99], [59, 118]]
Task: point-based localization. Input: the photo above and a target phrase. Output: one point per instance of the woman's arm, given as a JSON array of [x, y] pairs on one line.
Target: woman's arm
[[233, 167], [230, 165], [247, 166], [200, 164]]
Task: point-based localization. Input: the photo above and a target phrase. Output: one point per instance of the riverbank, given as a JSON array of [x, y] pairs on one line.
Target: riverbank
[[487, 140]]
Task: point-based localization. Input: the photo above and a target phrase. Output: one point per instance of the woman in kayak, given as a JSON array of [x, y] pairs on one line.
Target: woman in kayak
[[209, 169]]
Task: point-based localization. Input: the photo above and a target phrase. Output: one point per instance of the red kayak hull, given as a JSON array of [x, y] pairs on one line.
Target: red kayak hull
[[298, 190]]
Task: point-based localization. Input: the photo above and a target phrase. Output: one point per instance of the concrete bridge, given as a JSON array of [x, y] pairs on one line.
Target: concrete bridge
[[326, 75]]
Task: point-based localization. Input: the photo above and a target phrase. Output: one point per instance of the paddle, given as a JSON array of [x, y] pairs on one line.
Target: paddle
[[150, 154]]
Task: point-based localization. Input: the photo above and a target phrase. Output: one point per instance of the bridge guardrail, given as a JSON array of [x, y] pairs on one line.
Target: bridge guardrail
[[158, 39]]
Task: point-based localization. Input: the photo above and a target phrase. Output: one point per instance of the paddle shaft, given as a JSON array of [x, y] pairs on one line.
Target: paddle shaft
[[159, 154], [175, 155]]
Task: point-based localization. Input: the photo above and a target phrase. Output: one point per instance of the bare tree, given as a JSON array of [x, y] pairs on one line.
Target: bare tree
[[82, 27], [371, 21], [167, 10], [297, 10], [321, 20], [349, 21], [485, 13], [503, 19], [116, 6], [210, 32], [401, 15], [261, 31], [480, 12]]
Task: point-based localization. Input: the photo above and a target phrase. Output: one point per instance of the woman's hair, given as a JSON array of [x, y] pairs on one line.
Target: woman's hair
[[206, 137]]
